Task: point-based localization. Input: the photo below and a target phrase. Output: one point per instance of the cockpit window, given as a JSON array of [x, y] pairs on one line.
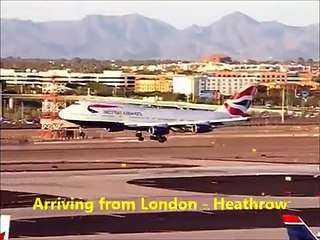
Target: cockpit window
[[91, 110]]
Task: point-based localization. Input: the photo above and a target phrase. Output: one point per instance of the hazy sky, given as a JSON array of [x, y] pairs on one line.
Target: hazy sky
[[177, 13]]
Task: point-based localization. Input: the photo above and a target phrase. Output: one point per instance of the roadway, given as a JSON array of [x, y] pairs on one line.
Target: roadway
[[224, 153]]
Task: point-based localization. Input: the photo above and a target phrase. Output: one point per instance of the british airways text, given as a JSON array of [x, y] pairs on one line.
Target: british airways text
[[112, 112]]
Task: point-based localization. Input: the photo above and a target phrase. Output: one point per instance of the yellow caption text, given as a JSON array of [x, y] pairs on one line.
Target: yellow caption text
[[143, 204]]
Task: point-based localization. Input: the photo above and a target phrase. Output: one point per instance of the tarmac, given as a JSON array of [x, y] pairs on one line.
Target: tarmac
[[231, 163]]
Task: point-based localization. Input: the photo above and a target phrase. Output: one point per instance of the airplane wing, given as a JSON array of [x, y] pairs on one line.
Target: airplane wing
[[297, 229], [185, 123]]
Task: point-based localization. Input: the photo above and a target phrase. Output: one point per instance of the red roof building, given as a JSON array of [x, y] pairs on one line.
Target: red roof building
[[216, 58]]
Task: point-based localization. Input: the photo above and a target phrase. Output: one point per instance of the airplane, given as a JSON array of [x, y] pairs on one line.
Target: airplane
[[297, 229], [4, 227], [158, 122]]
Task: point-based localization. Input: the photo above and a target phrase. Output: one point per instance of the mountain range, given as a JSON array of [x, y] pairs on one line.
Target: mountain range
[[137, 37]]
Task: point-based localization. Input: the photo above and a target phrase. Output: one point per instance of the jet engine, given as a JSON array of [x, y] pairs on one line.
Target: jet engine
[[202, 128], [115, 127], [159, 130]]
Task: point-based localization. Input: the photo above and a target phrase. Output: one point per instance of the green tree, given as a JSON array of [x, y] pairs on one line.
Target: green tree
[[182, 97], [274, 96], [3, 85], [185, 72], [96, 89], [168, 96], [316, 79], [310, 61], [300, 60]]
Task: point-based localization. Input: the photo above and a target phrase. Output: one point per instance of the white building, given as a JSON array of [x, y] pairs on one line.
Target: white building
[[257, 67], [227, 84], [32, 77], [207, 67], [186, 85]]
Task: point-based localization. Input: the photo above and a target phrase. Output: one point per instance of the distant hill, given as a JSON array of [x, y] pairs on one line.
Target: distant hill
[[137, 37]]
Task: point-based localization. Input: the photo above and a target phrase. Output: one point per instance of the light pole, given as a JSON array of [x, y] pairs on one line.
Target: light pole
[[22, 110], [1, 106], [283, 99], [114, 91], [282, 103]]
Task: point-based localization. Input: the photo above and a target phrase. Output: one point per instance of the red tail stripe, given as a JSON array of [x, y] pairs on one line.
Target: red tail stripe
[[102, 106], [234, 111], [2, 235], [291, 219], [248, 92]]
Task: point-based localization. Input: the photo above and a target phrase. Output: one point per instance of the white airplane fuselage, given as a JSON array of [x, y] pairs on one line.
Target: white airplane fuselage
[[88, 113], [157, 121]]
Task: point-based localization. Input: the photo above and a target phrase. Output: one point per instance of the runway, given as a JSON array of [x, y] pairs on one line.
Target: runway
[[289, 149], [132, 170]]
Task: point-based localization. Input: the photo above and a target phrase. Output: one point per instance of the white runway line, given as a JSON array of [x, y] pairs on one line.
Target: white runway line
[[134, 139], [115, 215], [125, 141], [86, 142], [125, 138], [250, 135]]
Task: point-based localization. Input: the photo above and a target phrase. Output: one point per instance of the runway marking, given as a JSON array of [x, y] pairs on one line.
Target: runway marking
[[134, 140], [253, 135], [209, 213], [27, 195], [294, 209], [86, 142], [28, 221], [125, 141], [125, 138], [116, 215]]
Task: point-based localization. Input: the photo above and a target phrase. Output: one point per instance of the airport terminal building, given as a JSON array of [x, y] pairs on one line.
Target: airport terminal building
[[33, 77]]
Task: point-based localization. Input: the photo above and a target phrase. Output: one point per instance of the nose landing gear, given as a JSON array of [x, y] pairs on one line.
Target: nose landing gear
[[139, 136]]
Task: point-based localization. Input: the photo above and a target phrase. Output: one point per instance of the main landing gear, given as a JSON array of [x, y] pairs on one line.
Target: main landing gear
[[160, 139]]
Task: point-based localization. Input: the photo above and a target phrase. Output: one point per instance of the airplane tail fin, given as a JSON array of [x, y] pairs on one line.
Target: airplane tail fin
[[297, 229], [241, 102], [4, 227]]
